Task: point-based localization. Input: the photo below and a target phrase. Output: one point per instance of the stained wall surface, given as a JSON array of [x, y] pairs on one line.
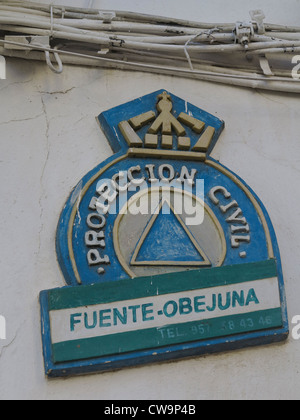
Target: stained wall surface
[[49, 140]]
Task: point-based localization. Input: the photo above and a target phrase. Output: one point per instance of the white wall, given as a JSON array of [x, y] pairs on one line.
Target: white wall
[[49, 139]]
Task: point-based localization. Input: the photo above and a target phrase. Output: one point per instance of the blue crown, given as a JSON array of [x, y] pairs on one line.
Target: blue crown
[[161, 124]]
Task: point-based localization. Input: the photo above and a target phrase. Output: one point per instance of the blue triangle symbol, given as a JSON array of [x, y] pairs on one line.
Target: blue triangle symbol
[[167, 241]]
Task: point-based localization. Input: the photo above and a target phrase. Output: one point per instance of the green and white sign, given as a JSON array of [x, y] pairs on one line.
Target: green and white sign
[[151, 312]]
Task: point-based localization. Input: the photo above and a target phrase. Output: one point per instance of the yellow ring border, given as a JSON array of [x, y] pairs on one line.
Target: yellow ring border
[[208, 162], [75, 209], [253, 200], [167, 263]]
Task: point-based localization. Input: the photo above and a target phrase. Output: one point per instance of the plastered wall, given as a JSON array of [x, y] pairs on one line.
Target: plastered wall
[[49, 139]]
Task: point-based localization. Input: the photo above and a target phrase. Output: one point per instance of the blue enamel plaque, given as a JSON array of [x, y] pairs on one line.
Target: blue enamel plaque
[[166, 253]]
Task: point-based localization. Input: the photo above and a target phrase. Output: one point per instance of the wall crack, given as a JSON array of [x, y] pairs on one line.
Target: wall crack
[[22, 119], [42, 189]]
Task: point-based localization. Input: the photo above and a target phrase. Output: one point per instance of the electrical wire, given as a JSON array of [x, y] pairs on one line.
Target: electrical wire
[[249, 54]]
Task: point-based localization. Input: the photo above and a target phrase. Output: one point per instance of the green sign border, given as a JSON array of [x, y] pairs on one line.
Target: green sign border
[[173, 334], [141, 287], [72, 298]]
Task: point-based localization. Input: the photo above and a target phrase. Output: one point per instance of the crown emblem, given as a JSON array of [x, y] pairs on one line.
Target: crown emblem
[[166, 132]]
